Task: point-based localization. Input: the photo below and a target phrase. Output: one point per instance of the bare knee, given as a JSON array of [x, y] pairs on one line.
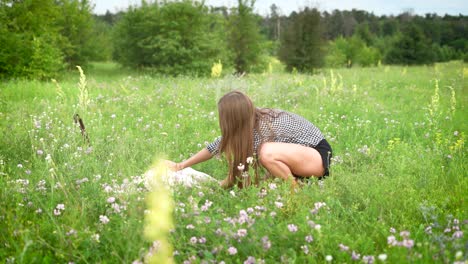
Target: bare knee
[[267, 155]]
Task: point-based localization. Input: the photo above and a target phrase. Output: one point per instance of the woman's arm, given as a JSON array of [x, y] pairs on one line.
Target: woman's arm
[[201, 156]]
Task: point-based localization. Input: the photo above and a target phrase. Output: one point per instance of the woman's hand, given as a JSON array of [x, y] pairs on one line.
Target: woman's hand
[[173, 165]]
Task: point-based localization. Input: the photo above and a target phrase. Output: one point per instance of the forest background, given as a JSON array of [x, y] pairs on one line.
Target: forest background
[[40, 39]]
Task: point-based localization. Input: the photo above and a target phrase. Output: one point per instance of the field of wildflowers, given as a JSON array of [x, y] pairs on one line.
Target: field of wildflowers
[[398, 191]]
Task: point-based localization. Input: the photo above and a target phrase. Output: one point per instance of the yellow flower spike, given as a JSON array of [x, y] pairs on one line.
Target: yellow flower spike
[[217, 69], [159, 221]]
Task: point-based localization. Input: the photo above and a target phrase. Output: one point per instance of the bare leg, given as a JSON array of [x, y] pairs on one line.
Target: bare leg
[[284, 159]]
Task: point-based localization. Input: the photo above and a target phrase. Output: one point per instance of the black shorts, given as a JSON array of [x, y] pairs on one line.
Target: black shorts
[[325, 151]]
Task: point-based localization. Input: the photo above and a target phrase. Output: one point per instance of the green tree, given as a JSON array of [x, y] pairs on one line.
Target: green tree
[[172, 38], [412, 47], [245, 41], [38, 38], [336, 56], [334, 25], [29, 39], [76, 27], [101, 40], [363, 32], [351, 51], [302, 46]]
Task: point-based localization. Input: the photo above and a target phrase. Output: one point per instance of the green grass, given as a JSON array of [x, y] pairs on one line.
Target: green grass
[[396, 167]]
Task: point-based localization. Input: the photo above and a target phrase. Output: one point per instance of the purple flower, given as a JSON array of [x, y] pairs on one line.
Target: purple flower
[[243, 217], [193, 240], [266, 243], [104, 219], [242, 232], [292, 228], [71, 232], [457, 234], [309, 239], [232, 250], [206, 206], [250, 260], [319, 205], [219, 232], [391, 240], [355, 256], [305, 248], [404, 234], [368, 259], [343, 247], [408, 243], [116, 207], [428, 230], [89, 150]]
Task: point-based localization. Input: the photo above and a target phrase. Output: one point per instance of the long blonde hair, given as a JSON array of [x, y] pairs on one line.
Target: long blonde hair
[[238, 118]]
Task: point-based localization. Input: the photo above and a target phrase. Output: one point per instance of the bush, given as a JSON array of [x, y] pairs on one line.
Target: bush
[[445, 53], [336, 56], [37, 38], [367, 56], [46, 59], [174, 38], [351, 51]]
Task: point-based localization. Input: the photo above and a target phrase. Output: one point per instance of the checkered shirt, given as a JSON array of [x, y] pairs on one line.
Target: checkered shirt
[[282, 126]]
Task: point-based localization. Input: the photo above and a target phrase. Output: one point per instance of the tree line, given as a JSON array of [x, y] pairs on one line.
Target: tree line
[[40, 38]]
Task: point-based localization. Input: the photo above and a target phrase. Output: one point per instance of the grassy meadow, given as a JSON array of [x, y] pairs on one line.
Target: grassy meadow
[[397, 194]]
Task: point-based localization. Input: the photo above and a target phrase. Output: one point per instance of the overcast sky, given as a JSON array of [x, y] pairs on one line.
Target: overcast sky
[[378, 7]]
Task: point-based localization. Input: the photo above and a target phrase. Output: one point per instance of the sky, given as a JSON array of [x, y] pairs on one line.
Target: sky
[[378, 7]]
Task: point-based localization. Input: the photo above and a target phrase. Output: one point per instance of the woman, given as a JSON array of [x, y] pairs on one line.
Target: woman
[[284, 143]]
